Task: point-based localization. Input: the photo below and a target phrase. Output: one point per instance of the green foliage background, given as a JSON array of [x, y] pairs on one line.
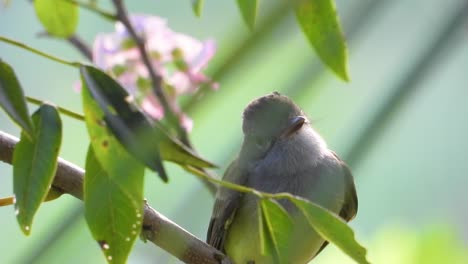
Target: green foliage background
[[410, 170]]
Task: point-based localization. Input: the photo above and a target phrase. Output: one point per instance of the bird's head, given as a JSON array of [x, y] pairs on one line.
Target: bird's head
[[269, 119]]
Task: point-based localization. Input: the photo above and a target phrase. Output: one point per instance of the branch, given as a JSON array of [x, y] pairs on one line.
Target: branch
[[81, 46], [75, 41], [156, 227], [156, 80]]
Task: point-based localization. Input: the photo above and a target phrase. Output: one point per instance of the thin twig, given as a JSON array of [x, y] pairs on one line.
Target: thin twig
[[93, 8], [40, 53], [81, 46], [156, 80], [62, 110], [75, 41], [156, 227]]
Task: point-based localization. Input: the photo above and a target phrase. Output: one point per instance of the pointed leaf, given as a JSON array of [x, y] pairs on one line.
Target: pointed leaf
[[332, 228], [174, 150], [129, 126], [248, 10], [197, 6], [137, 133], [114, 202], [279, 226], [12, 99], [35, 163], [59, 17], [319, 21]]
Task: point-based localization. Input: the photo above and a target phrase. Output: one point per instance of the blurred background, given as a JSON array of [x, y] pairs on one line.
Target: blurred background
[[400, 122]]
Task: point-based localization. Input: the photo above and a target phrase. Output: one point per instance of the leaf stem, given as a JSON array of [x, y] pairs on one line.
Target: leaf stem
[[40, 53], [7, 201], [93, 8], [62, 110], [239, 188], [81, 46]]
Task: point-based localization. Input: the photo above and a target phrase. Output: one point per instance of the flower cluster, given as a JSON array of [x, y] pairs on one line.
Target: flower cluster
[[177, 58]]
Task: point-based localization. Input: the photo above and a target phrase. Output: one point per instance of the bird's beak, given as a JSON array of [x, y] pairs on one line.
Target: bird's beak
[[294, 125]]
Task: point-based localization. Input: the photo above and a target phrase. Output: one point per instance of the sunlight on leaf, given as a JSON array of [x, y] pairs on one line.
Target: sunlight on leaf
[[319, 22], [197, 6], [114, 202], [59, 17], [248, 9], [130, 126], [279, 226], [144, 139], [332, 228]]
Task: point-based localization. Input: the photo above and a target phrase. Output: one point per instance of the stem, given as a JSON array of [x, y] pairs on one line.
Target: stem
[[40, 53], [81, 46], [62, 110], [156, 80], [76, 42], [7, 201], [93, 8], [237, 187]]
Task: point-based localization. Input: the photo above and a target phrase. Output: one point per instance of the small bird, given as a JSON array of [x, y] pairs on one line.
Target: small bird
[[281, 152]]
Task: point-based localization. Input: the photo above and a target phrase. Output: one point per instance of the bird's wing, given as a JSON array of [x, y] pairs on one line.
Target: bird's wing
[[227, 201], [350, 206]]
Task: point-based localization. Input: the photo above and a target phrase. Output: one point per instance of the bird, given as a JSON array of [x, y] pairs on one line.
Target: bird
[[280, 152]]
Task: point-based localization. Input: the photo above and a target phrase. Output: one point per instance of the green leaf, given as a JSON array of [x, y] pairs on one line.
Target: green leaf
[[248, 10], [12, 99], [174, 150], [278, 226], [319, 21], [130, 126], [266, 248], [197, 6], [59, 17], [332, 228], [114, 201], [141, 137], [35, 163]]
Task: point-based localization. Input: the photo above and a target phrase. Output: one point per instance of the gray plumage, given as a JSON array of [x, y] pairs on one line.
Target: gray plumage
[[281, 152]]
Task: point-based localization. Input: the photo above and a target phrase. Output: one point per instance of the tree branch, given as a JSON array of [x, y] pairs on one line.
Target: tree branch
[[157, 82], [156, 227], [81, 46]]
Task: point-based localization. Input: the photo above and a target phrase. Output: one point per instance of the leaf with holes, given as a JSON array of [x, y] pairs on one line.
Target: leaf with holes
[[114, 201], [332, 228], [248, 10], [35, 163], [59, 17], [319, 21], [12, 99]]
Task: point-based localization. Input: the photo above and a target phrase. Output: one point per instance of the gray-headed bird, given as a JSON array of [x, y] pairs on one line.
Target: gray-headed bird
[[281, 152]]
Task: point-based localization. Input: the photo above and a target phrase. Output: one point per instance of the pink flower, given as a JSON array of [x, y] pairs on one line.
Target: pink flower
[[179, 59]]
